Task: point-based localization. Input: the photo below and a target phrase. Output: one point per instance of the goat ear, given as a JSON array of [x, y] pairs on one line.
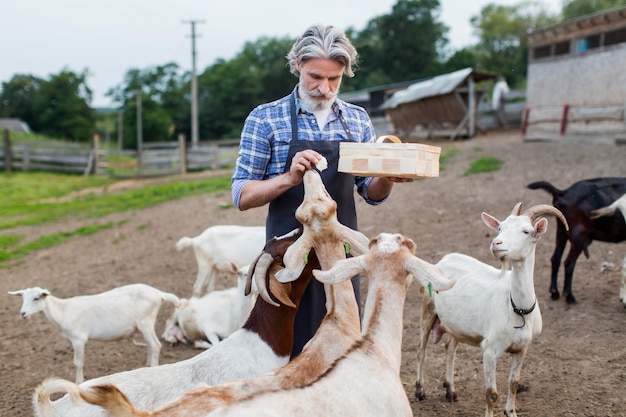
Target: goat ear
[[18, 292], [426, 273], [342, 270], [490, 221], [409, 243], [541, 226], [281, 292]]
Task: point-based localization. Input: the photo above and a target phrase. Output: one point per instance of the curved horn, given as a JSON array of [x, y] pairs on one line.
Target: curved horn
[[260, 277], [541, 209], [517, 209]]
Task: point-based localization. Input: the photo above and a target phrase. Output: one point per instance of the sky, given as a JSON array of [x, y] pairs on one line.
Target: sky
[[43, 37]]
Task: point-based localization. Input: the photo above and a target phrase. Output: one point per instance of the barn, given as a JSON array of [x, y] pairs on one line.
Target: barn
[[576, 84], [443, 105]]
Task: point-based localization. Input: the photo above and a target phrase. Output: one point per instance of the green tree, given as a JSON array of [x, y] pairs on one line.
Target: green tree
[[403, 45], [62, 107], [165, 103], [577, 8], [17, 98], [229, 90], [503, 43]]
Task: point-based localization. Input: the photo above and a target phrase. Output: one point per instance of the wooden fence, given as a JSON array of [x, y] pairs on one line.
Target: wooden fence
[[155, 159]]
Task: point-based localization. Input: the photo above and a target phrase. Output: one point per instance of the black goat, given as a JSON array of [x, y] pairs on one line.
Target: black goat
[[576, 203]]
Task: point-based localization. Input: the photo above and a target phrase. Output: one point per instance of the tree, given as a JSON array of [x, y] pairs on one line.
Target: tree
[[229, 90], [165, 103], [61, 107], [503, 43], [577, 8], [17, 98], [403, 45]]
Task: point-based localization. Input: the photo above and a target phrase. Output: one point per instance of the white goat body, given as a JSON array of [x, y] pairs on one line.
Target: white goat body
[[217, 247], [263, 344], [488, 307], [206, 320], [111, 315]]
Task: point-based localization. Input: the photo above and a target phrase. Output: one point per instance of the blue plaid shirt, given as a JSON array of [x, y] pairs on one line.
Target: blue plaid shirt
[[267, 132]]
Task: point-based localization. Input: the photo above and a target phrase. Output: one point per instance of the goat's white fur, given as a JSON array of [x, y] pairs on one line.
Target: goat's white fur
[[111, 315], [217, 247], [206, 320], [478, 309]]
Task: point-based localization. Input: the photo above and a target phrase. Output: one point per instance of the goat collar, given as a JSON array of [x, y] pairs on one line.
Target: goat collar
[[521, 312]]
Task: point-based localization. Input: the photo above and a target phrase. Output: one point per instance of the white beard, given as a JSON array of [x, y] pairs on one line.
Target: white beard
[[312, 100]]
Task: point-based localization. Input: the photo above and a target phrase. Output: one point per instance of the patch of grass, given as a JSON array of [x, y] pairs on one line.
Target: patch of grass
[[447, 154], [23, 194], [484, 164], [47, 241]]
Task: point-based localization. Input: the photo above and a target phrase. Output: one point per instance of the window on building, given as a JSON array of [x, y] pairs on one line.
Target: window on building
[[561, 48], [614, 37], [542, 51]]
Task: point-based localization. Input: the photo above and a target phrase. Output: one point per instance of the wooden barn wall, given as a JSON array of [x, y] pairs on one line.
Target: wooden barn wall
[[440, 112], [578, 98]]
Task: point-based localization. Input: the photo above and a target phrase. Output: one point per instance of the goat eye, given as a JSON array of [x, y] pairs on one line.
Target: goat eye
[[526, 232]]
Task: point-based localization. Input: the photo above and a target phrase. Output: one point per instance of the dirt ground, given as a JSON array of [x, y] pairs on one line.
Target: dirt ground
[[577, 367]]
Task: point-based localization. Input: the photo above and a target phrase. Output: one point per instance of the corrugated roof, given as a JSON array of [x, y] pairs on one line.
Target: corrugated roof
[[436, 86]]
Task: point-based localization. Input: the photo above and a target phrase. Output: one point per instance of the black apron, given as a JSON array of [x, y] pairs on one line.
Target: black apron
[[281, 219]]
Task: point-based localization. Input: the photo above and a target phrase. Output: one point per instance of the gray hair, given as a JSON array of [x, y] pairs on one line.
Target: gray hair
[[320, 41]]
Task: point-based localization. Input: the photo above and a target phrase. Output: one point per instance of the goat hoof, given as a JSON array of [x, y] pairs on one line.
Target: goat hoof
[[570, 299], [555, 295], [450, 395], [420, 394]]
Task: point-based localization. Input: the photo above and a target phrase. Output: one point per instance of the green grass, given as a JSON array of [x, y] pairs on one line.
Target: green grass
[[484, 164], [25, 197], [27, 200]]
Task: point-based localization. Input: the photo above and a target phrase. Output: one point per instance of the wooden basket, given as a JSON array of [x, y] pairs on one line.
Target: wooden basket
[[384, 159]]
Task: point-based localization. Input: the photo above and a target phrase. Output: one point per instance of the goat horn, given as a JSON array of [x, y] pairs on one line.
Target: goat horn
[[260, 277], [517, 209], [541, 209]]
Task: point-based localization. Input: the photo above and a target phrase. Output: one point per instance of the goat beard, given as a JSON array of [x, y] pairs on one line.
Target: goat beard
[[314, 100]]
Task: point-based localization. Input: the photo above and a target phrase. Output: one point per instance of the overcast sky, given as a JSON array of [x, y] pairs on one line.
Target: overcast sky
[[42, 37]]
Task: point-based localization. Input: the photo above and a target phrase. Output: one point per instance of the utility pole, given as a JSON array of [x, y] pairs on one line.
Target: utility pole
[[194, 84]]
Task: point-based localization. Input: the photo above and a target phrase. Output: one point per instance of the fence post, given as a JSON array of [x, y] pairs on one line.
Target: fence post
[[183, 153], [215, 156], [8, 154], [96, 154]]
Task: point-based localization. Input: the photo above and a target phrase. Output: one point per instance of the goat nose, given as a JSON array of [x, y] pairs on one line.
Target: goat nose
[[23, 314]]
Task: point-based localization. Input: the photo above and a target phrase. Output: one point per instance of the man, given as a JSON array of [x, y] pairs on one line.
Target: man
[[282, 139]]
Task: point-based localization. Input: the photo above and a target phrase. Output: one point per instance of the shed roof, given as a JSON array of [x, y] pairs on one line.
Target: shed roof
[[435, 86], [16, 125]]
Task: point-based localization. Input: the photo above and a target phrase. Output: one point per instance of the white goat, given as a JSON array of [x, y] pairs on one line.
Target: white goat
[[491, 308], [263, 344], [619, 204], [111, 315], [220, 246], [341, 325], [206, 320]]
